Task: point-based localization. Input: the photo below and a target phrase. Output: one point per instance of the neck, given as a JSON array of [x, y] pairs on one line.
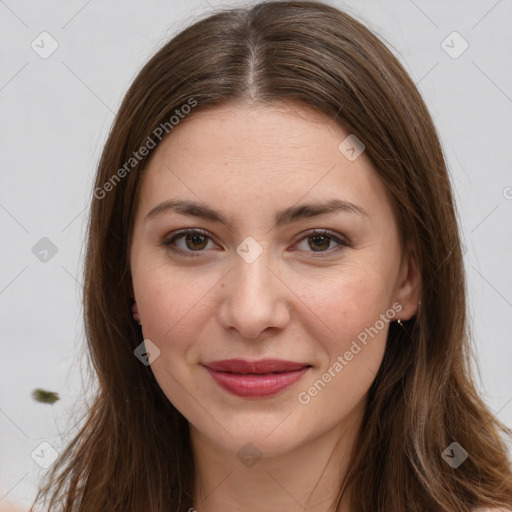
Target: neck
[[307, 478]]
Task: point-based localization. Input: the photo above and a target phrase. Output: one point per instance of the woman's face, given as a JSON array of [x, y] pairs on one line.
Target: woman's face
[[253, 281]]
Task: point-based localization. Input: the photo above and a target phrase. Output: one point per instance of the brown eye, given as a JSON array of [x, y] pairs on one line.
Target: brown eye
[[321, 241], [188, 242], [195, 241]]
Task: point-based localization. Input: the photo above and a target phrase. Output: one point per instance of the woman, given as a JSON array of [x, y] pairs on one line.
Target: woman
[[274, 286]]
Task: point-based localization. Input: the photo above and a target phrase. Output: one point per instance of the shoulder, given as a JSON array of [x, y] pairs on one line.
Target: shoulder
[[492, 509], [10, 507]]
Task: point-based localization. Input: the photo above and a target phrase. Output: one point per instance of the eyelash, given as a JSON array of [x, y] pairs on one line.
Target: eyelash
[[169, 242]]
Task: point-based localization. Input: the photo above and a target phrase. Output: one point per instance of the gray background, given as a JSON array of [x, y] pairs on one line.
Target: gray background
[[55, 116]]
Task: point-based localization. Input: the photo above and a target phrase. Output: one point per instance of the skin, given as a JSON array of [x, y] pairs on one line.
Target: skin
[[297, 301], [5, 506]]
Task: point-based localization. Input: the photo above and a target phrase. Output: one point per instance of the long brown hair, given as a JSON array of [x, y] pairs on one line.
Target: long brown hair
[[132, 452]]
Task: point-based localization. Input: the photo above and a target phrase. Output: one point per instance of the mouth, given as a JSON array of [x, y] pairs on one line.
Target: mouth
[[255, 379]]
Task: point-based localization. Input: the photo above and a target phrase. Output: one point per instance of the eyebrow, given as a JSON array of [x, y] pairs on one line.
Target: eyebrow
[[286, 216]]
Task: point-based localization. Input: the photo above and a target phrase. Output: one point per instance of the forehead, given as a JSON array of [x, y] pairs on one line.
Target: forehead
[[244, 155]]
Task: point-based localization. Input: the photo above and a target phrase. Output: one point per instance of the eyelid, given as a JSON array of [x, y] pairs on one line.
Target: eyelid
[[168, 240], [337, 237], [342, 241]]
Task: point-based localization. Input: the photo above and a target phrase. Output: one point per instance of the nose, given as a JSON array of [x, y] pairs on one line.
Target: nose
[[254, 298]]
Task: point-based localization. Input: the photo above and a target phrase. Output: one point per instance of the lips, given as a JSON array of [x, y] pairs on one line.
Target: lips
[[263, 366], [255, 378]]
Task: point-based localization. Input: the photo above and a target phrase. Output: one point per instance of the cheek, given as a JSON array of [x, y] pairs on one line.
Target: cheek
[[173, 304], [352, 349], [344, 306]]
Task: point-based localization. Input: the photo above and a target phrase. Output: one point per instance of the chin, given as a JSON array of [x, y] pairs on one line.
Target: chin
[[266, 437]]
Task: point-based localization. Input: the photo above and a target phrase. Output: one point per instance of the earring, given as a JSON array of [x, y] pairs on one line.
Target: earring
[[399, 322]]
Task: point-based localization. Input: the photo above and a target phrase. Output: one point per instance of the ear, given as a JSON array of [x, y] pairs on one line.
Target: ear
[[408, 291], [135, 308]]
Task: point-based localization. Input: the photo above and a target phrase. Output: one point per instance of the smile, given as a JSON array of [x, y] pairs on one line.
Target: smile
[[257, 378]]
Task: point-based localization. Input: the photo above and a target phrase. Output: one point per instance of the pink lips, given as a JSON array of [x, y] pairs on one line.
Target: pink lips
[[255, 378]]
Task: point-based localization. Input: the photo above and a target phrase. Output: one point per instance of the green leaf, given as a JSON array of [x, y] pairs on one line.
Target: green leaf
[[46, 397]]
